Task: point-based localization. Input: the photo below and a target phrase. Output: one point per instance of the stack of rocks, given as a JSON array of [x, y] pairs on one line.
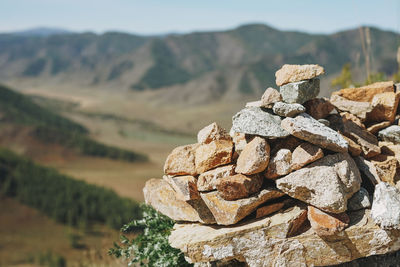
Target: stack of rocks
[[291, 184]]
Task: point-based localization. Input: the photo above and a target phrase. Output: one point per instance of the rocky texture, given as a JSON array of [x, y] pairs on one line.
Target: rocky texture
[[326, 183], [387, 168], [256, 104], [228, 212], [390, 149], [254, 157], [368, 169], [327, 225], [354, 148], [181, 161], [318, 108], [258, 122], [360, 109], [239, 139], [184, 186], [270, 97], [288, 110], [211, 133], [160, 195], [350, 117], [269, 209], [324, 122], [390, 134], [365, 93], [304, 154], [384, 107], [374, 128], [238, 186], [360, 200], [214, 154], [207, 181], [280, 164], [307, 128], [295, 73], [299, 92], [386, 206]]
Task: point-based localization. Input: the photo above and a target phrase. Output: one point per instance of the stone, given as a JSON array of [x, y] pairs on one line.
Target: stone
[[160, 195], [280, 164], [288, 110], [384, 107], [181, 161], [254, 157], [270, 97], [308, 129], [360, 200], [295, 73], [238, 186], [300, 92], [228, 212], [304, 154], [390, 134], [354, 148], [289, 142], [365, 93], [390, 149], [325, 184], [368, 169], [373, 129], [256, 104], [350, 117], [385, 209], [211, 133], [269, 209], [239, 139], [387, 168], [325, 224], [360, 109], [319, 108], [214, 154], [184, 186], [207, 181], [324, 122], [257, 121]]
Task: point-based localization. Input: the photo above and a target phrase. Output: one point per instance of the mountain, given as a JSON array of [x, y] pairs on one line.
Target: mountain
[[199, 67], [41, 31]]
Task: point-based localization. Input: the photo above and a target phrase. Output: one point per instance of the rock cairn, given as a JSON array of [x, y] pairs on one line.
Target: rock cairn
[[291, 184]]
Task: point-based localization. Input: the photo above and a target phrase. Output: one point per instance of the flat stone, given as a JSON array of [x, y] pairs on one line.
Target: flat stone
[[384, 107], [385, 209], [294, 73], [373, 129], [160, 195], [360, 200], [288, 110], [360, 109], [270, 97], [350, 117], [365, 93], [254, 157], [181, 161], [318, 108], [390, 134], [304, 154], [256, 104], [228, 212], [354, 148], [368, 169], [300, 92], [207, 180], [280, 164], [308, 129], [211, 133], [325, 224], [238, 186], [184, 186], [325, 184], [214, 154], [269, 209], [258, 121], [387, 168]]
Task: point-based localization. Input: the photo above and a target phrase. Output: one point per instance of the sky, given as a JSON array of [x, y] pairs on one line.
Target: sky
[[181, 16]]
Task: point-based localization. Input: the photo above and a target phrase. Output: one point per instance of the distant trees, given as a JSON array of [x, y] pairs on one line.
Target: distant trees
[[345, 79]]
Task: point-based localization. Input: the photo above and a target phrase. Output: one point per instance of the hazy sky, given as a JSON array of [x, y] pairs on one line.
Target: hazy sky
[[165, 16]]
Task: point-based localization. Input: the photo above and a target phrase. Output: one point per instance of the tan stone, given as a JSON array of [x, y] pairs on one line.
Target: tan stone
[[280, 164], [350, 117], [384, 107], [254, 157], [373, 129], [211, 133], [184, 186], [295, 73], [354, 148], [181, 161], [325, 224], [239, 139], [304, 154], [387, 168], [228, 212], [207, 180], [214, 154], [359, 109], [270, 97], [368, 169], [390, 149], [238, 186], [269, 209], [318, 108], [365, 93]]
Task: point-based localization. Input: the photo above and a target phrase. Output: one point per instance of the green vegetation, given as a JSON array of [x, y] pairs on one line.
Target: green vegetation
[[60, 197], [344, 80], [375, 77], [120, 69], [48, 259], [151, 247], [245, 84], [35, 68]]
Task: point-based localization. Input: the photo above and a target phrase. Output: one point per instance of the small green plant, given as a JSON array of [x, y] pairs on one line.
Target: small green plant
[[150, 247]]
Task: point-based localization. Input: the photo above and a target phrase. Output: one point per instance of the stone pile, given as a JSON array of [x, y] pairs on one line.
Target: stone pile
[[291, 184]]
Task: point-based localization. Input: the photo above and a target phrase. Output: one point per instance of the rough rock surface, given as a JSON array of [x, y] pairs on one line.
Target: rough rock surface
[[211, 133], [386, 206], [307, 128], [239, 186], [227, 212], [214, 154], [280, 164], [181, 161], [354, 148], [184, 186], [270, 97], [366, 93], [288, 110], [318, 108], [254, 157], [240, 141], [207, 180], [269, 209], [299, 92], [368, 169], [387, 168], [258, 121], [304, 154], [294, 73], [256, 104], [360, 200], [360, 109], [325, 224], [373, 129], [384, 107], [390, 134]]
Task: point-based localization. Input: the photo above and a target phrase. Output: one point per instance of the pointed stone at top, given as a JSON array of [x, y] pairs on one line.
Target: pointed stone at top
[[295, 73], [211, 133]]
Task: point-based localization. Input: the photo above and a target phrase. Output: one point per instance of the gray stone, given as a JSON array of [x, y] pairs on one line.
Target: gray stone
[[360, 200], [368, 169], [386, 206], [258, 121], [288, 110], [324, 122], [360, 109], [300, 92], [309, 129], [390, 134]]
